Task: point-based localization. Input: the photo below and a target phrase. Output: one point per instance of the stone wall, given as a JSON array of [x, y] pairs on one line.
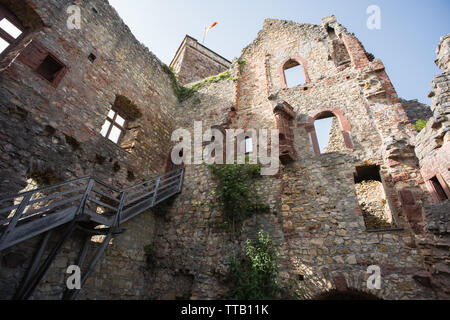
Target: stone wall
[[55, 131], [336, 142], [315, 219], [319, 228], [433, 151], [416, 110]]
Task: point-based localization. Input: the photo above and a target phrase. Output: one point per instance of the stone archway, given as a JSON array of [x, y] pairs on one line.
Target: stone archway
[[289, 63], [348, 294], [344, 125]]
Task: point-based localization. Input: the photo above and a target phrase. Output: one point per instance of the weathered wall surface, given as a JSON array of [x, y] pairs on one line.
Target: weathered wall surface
[[38, 120], [323, 234], [416, 110], [316, 220], [433, 152]]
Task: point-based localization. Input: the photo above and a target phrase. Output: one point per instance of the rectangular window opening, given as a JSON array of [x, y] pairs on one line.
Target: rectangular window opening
[[248, 145], [10, 28], [3, 45], [294, 75], [49, 68], [373, 200], [439, 189], [114, 127]]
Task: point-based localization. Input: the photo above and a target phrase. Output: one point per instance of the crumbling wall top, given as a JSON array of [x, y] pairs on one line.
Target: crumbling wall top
[[443, 53]]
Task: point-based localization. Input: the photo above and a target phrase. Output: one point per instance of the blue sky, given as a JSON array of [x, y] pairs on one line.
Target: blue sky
[[409, 35]]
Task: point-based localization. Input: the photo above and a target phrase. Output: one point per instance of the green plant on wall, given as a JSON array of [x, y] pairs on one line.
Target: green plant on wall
[[183, 93], [420, 125], [255, 275], [236, 192], [241, 62]]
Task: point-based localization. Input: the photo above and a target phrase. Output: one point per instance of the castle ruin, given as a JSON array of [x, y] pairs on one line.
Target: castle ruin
[[96, 103]]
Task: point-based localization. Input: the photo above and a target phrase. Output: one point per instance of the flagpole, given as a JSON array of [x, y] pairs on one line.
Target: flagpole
[[204, 36]]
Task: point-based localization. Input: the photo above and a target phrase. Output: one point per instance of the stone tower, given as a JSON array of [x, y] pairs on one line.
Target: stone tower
[[193, 62]]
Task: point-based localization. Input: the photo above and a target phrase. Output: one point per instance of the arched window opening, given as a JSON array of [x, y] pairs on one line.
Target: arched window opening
[[294, 74], [332, 128], [329, 133], [349, 294]]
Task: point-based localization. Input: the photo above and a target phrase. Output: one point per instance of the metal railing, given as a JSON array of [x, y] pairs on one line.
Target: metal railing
[[84, 196]]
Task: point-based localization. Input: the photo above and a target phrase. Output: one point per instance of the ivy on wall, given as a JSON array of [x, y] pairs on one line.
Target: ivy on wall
[[183, 93], [236, 192]]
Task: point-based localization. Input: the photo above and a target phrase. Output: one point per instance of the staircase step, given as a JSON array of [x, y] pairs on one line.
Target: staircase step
[[38, 226]]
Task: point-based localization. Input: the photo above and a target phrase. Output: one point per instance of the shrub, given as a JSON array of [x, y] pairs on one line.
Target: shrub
[[255, 277], [420, 125]]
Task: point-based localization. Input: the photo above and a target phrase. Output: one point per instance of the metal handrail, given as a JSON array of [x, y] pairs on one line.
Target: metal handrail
[[160, 184], [62, 184]]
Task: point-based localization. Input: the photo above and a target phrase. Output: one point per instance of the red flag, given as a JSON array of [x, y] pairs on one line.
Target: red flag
[[212, 26]]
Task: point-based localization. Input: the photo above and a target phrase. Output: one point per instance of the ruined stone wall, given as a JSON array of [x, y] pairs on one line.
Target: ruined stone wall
[[416, 110], [192, 249], [315, 219], [319, 230], [47, 130], [433, 151]]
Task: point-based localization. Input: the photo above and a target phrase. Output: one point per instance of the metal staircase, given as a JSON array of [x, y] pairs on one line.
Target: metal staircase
[[84, 204]]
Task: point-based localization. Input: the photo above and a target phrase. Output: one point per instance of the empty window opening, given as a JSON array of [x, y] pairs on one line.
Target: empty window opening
[[50, 68], [10, 28], [92, 57], [294, 74], [329, 133], [331, 33], [349, 294], [9, 32], [248, 145], [438, 189], [340, 53], [43, 62], [114, 126], [3, 45], [372, 199]]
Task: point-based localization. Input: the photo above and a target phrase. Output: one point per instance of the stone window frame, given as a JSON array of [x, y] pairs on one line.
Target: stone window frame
[[344, 123], [113, 123], [432, 189], [302, 62], [5, 13]]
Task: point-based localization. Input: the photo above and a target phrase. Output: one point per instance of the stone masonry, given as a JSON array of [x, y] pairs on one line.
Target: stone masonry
[[50, 132]]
